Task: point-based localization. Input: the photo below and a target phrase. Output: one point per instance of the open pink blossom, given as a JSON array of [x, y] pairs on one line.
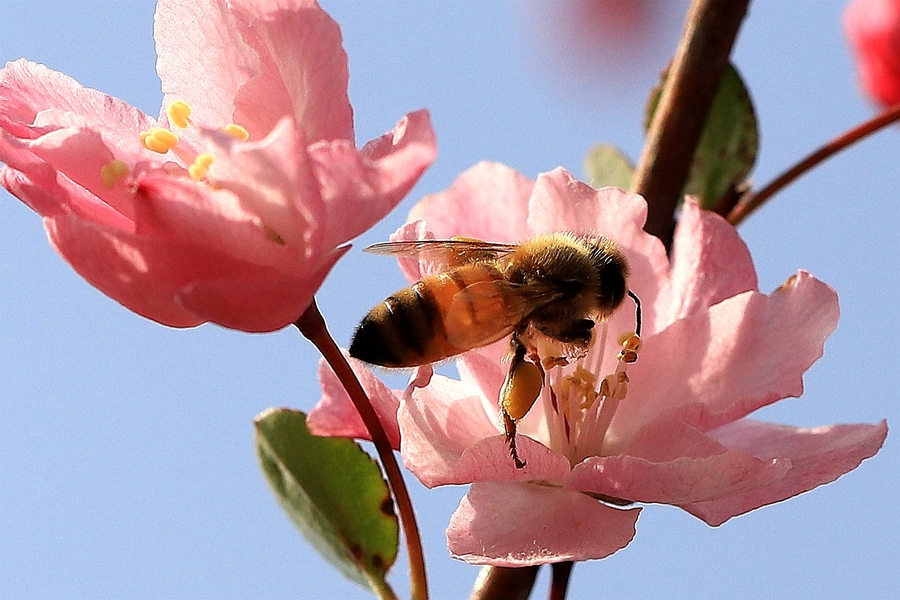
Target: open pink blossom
[[873, 28], [714, 350], [235, 204]]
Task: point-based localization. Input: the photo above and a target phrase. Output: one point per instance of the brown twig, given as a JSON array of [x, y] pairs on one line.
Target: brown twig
[[504, 583], [559, 584], [753, 200], [687, 96], [312, 326]]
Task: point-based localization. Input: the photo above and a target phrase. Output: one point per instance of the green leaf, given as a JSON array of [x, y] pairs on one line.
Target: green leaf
[[606, 165], [334, 493], [728, 146]]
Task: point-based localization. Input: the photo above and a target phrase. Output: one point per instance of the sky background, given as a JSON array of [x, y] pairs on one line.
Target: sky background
[[127, 467]]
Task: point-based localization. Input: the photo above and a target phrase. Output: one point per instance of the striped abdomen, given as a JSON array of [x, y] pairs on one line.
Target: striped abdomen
[[439, 317]]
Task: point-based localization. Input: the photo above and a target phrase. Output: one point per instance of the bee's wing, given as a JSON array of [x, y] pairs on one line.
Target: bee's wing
[[487, 311], [452, 253]]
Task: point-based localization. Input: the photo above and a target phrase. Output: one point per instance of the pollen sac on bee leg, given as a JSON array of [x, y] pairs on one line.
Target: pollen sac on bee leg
[[521, 388], [523, 384]]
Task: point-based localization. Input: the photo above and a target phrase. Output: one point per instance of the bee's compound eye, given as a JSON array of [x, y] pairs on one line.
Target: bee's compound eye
[[586, 324]]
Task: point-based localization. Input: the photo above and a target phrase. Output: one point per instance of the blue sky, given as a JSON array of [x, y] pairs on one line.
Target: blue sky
[[126, 454]]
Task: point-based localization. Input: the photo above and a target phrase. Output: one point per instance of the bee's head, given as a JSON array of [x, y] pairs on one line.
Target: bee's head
[[612, 273]]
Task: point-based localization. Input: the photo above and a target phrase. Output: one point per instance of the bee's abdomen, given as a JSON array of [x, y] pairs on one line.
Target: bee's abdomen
[[401, 331]]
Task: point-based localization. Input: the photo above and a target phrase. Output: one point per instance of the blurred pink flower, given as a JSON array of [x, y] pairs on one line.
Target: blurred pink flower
[[237, 226], [715, 350], [873, 28]]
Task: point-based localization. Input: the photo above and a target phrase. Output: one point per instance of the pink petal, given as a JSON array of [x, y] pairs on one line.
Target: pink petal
[[413, 269], [184, 284], [182, 210], [873, 29], [488, 202], [817, 456], [360, 187], [486, 369], [521, 524], [303, 70], [34, 181], [490, 460], [264, 302], [710, 263], [202, 58], [437, 424], [80, 155], [744, 353], [272, 179], [678, 481], [31, 93], [562, 203], [124, 267], [335, 415]]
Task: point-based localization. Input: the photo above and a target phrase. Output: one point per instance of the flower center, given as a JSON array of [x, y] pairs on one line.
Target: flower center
[[163, 141], [583, 409]]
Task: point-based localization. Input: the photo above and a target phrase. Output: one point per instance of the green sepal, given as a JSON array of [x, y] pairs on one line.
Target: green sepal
[[334, 493], [605, 165], [729, 143]]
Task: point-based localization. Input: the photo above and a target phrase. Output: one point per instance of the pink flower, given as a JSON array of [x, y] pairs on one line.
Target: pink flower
[[183, 221], [873, 28], [715, 349]]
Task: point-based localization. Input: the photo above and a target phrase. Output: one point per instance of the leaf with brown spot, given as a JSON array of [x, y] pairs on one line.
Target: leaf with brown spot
[[334, 493], [727, 149]]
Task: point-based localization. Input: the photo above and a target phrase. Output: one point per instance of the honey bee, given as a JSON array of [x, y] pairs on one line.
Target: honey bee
[[546, 293]]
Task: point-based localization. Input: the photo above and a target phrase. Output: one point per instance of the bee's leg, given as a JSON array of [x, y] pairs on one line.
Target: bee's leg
[[520, 390], [509, 426]]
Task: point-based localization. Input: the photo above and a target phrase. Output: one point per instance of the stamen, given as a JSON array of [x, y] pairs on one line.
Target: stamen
[[200, 166], [581, 382], [112, 172], [178, 113], [157, 139], [614, 389], [235, 130], [630, 343]]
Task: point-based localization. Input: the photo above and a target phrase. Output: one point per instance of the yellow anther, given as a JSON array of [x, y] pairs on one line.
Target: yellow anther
[[581, 383], [235, 130], [548, 362], [158, 139], [615, 385], [631, 343], [112, 172], [200, 166], [605, 386], [627, 356], [178, 113], [788, 284]]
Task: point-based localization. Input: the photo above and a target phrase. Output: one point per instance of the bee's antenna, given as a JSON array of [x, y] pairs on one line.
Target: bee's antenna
[[637, 312]]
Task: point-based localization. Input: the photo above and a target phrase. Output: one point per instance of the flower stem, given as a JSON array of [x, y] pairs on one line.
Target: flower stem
[[312, 326], [506, 583], [687, 97], [560, 582], [754, 200]]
